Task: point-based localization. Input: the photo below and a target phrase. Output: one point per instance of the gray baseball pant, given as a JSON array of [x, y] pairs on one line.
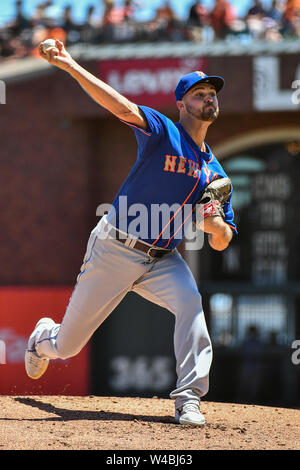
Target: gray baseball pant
[[110, 270]]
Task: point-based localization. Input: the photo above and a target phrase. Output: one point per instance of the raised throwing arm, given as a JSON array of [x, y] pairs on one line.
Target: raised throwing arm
[[101, 92]]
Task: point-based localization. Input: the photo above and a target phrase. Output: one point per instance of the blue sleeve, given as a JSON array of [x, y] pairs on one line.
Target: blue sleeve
[[155, 128]]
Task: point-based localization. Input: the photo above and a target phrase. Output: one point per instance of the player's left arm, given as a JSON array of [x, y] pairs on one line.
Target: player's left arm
[[217, 213], [219, 232]]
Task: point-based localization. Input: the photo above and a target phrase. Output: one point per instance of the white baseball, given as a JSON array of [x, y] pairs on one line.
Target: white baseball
[[48, 43]]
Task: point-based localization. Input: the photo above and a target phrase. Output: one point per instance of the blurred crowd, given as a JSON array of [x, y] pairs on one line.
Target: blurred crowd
[[118, 24]]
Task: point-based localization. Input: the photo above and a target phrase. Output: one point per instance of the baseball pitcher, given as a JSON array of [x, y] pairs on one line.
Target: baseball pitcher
[[174, 166]]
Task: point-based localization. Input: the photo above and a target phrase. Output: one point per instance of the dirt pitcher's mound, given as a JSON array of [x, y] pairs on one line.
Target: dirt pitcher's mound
[[110, 423]]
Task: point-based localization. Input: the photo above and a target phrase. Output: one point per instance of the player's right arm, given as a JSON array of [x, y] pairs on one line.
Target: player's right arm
[[101, 92]]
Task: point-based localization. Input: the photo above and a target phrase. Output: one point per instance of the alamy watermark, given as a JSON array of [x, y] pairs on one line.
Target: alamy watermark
[[296, 353], [2, 352], [155, 222], [2, 92]]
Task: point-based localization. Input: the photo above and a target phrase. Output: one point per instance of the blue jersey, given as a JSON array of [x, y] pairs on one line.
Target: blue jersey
[[155, 202]]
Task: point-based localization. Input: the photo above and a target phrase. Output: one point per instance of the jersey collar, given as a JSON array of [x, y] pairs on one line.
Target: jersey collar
[[205, 155]]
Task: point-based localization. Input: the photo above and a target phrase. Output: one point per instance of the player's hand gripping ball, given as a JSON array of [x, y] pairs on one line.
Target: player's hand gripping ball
[[213, 198], [48, 43], [55, 53]]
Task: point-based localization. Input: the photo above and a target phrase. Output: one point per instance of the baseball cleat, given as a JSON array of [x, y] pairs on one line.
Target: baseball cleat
[[189, 414], [35, 365]]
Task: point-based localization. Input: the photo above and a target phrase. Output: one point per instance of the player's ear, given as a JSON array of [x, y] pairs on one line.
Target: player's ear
[[180, 105]]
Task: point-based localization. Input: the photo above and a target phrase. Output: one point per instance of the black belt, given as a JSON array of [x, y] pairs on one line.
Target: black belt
[[138, 244]]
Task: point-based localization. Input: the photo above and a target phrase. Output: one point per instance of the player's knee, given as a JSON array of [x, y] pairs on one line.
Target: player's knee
[[190, 303]]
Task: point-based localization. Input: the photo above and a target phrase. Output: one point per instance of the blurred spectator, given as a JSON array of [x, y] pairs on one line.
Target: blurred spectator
[[20, 23], [271, 22], [271, 30], [275, 11], [21, 36], [129, 9], [254, 20], [165, 13], [13, 48], [198, 14], [46, 21], [116, 24], [69, 26], [165, 25], [46, 14], [198, 19], [117, 14], [274, 357], [15, 38], [273, 27], [257, 10], [127, 28], [291, 18], [67, 22], [111, 13], [251, 365], [222, 18], [90, 26]]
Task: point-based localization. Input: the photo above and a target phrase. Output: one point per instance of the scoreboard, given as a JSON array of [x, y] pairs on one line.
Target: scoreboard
[[266, 203]]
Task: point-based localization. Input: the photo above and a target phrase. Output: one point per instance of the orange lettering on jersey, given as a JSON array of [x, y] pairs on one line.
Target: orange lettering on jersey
[[181, 165], [207, 172], [193, 167], [197, 173], [170, 163]]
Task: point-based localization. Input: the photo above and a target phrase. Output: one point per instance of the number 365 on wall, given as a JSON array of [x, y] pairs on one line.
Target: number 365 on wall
[[141, 373]]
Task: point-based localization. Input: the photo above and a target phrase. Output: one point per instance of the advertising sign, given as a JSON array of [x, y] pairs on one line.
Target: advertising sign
[[150, 82], [20, 309]]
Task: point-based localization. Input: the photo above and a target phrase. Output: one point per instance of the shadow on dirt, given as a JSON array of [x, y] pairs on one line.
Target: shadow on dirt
[[73, 415]]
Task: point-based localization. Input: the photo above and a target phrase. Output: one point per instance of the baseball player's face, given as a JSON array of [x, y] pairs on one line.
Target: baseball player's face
[[201, 102]]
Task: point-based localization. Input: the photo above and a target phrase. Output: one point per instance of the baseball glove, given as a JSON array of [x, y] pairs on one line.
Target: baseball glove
[[213, 198]]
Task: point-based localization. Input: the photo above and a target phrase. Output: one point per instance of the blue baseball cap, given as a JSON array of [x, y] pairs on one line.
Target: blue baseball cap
[[188, 81]]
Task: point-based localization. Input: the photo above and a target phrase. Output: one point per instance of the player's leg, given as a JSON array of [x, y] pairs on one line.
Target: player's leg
[[107, 274], [171, 285]]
